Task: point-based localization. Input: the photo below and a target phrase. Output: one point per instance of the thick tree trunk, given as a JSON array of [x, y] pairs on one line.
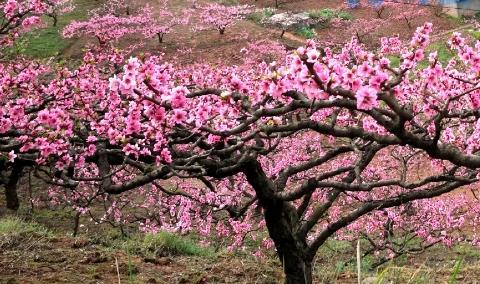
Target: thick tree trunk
[[297, 270], [281, 219], [290, 249], [11, 188]]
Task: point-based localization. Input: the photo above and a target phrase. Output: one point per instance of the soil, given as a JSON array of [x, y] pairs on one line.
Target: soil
[[63, 260]]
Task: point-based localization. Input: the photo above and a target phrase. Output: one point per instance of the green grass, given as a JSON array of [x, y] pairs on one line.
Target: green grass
[[228, 2], [394, 61], [173, 244], [326, 13], [268, 12], [16, 232], [159, 244], [47, 42], [259, 16], [456, 270], [345, 15], [444, 55], [16, 226], [330, 14], [306, 32]]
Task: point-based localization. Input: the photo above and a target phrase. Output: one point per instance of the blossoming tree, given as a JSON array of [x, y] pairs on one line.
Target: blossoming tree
[[321, 144], [59, 7], [19, 16], [220, 17]]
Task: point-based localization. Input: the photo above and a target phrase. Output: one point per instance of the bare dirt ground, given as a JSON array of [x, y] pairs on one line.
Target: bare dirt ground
[[69, 260]]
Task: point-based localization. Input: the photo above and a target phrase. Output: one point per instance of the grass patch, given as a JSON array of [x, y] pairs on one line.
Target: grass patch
[[159, 245], [17, 226], [48, 42], [329, 14], [259, 16], [173, 244], [444, 54], [15, 231], [344, 15], [394, 61], [228, 2], [306, 32]]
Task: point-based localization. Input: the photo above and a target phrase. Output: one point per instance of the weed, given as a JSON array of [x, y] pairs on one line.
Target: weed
[[158, 245], [131, 269], [456, 270]]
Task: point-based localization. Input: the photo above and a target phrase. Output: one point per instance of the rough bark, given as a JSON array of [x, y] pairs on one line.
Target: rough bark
[[281, 219], [11, 195]]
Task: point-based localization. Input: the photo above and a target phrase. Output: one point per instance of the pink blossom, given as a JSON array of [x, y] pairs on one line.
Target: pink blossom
[[366, 98]]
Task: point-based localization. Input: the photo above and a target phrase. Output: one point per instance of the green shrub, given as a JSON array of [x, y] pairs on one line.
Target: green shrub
[[326, 13], [306, 32], [259, 16], [330, 14], [268, 12], [256, 17], [346, 16]]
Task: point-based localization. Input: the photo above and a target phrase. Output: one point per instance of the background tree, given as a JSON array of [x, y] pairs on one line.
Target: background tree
[[220, 17]]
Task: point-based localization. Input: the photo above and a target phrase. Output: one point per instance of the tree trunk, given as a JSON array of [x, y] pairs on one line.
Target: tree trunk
[[290, 249], [297, 270], [221, 31], [11, 188], [281, 219]]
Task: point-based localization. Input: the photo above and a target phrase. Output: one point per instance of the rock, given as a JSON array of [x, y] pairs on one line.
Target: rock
[[369, 280], [95, 257], [374, 280], [53, 257], [80, 243], [126, 269], [158, 261]]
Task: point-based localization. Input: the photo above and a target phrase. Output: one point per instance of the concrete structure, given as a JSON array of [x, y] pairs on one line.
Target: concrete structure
[[460, 8]]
